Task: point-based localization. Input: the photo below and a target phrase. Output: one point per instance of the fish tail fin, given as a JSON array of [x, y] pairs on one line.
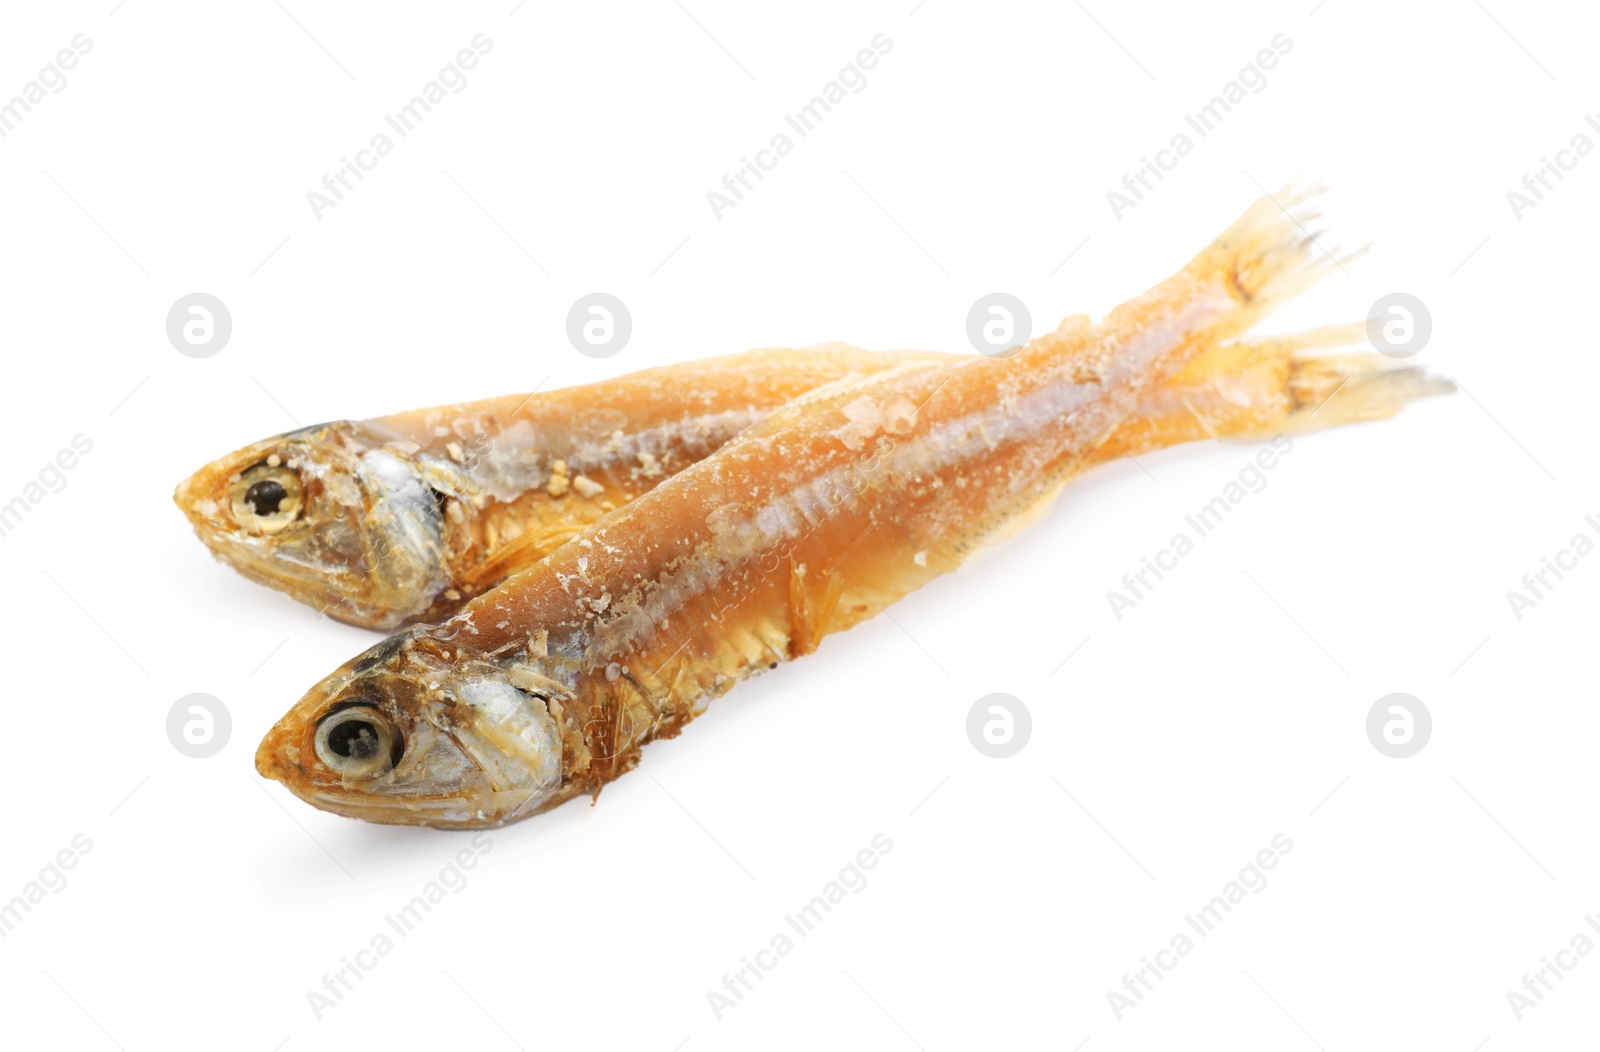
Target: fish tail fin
[[1246, 390], [1267, 256], [1219, 364], [1336, 389]]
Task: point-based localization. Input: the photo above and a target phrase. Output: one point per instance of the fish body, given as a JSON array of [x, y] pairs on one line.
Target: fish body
[[810, 521], [405, 518]]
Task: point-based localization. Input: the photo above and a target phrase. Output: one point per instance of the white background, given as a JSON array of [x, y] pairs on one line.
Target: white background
[[1218, 713]]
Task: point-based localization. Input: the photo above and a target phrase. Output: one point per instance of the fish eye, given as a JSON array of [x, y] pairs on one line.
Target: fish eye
[[358, 742], [267, 497]]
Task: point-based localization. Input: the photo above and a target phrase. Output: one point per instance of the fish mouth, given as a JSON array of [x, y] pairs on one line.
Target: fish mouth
[[312, 553], [367, 539], [367, 546], [440, 811], [475, 755], [434, 810], [339, 593]]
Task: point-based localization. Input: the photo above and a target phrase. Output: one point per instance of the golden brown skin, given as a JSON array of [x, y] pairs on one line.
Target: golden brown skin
[[405, 518], [808, 522], [402, 518]]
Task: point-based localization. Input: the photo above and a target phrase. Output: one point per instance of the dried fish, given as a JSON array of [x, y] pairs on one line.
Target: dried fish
[[405, 518], [809, 522]]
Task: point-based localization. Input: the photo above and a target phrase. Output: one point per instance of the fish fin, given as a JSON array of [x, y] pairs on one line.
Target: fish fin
[[1269, 255], [1255, 388], [801, 638], [1331, 390], [810, 618], [1239, 356], [1266, 257], [822, 621], [518, 554]]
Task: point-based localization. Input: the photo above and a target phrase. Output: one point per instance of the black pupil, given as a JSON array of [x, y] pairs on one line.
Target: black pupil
[[266, 496], [354, 739]]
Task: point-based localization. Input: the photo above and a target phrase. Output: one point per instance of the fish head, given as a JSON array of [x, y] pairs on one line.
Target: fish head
[[419, 732], [332, 516]]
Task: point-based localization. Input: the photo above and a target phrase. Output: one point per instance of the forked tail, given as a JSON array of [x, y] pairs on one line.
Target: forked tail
[[1253, 389], [1264, 258], [1335, 389]]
